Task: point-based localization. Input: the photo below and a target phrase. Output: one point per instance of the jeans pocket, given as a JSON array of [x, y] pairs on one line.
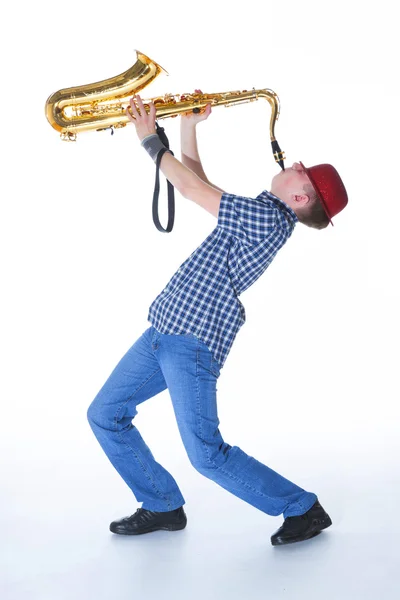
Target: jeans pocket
[[208, 359], [215, 367]]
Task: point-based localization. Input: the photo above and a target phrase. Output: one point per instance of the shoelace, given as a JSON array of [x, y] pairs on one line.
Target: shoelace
[[141, 514], [303, 517]]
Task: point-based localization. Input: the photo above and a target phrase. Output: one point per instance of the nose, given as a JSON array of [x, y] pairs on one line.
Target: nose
[[297, 166]]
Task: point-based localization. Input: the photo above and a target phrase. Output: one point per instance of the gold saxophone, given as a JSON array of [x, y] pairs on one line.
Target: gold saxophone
[[102, 105]]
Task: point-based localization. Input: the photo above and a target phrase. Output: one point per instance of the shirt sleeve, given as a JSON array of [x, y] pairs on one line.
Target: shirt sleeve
[[247, 219]]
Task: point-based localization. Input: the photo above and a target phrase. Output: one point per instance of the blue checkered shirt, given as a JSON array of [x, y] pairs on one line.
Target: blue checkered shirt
[[202, 296]]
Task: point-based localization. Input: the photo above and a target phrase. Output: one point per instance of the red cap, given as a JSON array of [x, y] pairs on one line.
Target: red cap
[[329, 188]]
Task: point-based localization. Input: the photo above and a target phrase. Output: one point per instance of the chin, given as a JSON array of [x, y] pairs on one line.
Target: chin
[[275, 177]]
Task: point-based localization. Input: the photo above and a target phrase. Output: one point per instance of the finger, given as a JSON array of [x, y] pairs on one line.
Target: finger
[[129, 114], [133, 107], [141, 106]]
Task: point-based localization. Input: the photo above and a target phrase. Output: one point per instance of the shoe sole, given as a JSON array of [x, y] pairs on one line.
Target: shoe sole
[[316, 530], [169, 527]]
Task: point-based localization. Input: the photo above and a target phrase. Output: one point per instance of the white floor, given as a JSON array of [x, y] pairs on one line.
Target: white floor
[[56, 544]]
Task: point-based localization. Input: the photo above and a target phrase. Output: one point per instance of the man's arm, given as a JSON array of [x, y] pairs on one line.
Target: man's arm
[[190, 185], [189, 151], [184, 179]]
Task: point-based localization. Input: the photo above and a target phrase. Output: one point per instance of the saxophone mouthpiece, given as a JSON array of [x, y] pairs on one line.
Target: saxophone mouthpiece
[[278, 154]]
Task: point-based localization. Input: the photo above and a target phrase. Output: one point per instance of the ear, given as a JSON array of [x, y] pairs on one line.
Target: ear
[[300, 200]]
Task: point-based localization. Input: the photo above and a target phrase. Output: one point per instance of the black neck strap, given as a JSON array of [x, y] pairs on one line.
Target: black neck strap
[[171, 194]]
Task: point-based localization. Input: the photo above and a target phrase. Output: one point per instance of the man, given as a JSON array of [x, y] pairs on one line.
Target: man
[[194, 322]]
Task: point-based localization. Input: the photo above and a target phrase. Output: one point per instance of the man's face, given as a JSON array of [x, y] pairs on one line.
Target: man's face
[[288, 185]]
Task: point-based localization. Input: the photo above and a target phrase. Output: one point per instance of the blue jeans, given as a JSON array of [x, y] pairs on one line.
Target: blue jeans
[[184, 365]]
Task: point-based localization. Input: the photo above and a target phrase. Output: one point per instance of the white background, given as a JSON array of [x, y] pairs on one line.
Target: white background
[[310, 387]]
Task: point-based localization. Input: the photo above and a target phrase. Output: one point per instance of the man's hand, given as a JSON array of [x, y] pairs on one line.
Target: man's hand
[[194, 118], [144, 122]]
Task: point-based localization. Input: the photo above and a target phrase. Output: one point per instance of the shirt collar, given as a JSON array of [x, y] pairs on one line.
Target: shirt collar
[[285, 208]]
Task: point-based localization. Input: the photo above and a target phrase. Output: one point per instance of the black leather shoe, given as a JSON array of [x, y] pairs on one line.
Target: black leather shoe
[[302, 527], [145, 521]]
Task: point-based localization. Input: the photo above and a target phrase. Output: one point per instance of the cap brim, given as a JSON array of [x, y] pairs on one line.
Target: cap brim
[[316, 191]]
